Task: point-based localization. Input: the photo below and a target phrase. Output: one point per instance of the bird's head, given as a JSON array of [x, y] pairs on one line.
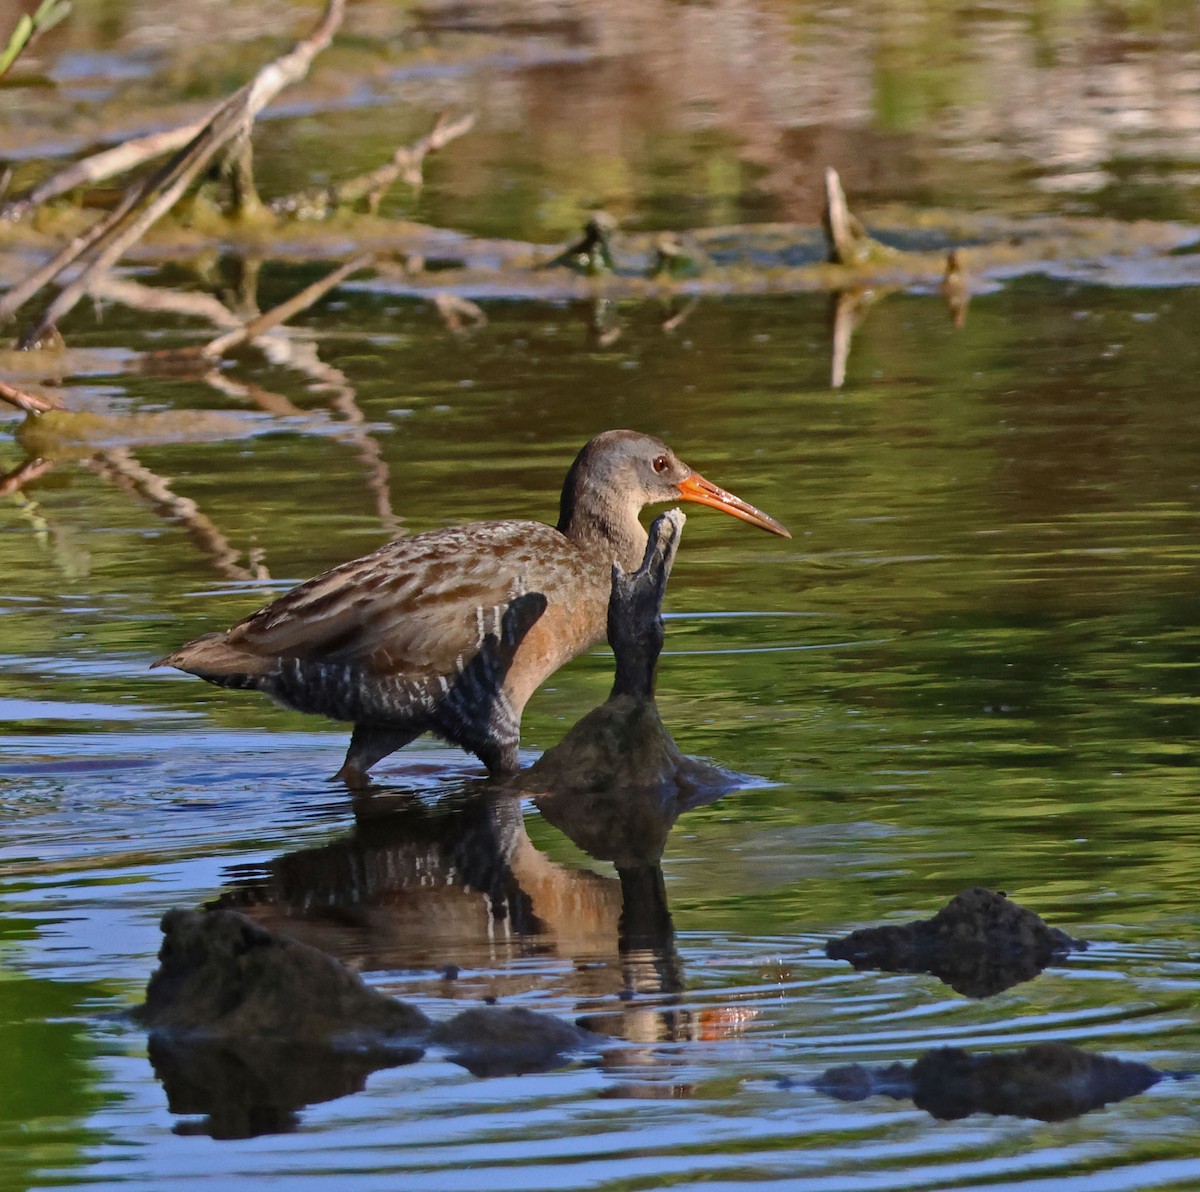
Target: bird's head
[[619, 472]]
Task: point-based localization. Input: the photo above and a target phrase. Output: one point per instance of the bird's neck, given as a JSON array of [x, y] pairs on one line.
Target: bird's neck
[[606, 528]]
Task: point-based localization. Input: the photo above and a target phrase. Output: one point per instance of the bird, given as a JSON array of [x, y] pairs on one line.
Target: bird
[[451, 631]]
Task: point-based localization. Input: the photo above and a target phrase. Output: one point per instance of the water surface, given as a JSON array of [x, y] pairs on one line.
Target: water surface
[[974, 664]]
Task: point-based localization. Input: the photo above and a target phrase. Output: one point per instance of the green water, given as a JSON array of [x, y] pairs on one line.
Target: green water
[[974, 664]]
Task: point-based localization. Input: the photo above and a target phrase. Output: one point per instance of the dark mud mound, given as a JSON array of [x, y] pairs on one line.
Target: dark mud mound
[[979, 944]]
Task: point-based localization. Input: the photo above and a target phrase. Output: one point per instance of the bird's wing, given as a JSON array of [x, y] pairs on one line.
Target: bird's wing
[[419, 604]]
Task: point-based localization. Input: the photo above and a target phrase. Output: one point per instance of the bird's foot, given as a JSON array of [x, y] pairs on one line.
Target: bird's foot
[[353, 777]]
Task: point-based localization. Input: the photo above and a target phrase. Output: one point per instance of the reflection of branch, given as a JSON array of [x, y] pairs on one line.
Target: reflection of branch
[[303, 357], [108, 162], [28, 402], [119, 466], [847, 310], [30, 470], [279, 350], [70, 558], [457, 312], [680, 316], [955, 288], [407, 163], [264, 399], [113, 235], [204, 306], [604, 326], [162, 301], [278, 314], [324, 376], [370, 454]]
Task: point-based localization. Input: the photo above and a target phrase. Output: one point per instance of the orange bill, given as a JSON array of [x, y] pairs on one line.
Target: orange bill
[[696, 488]]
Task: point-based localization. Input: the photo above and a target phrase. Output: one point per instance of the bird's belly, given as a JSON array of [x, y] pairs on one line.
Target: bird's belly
[[345, 691], [564, 631]]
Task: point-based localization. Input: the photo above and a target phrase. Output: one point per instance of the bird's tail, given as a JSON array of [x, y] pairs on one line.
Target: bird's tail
[[211, 657]]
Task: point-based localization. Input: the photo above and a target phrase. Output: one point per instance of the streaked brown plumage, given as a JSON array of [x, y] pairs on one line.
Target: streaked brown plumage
[[452, 631]]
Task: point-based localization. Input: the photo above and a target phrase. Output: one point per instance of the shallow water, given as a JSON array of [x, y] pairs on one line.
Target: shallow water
[[974, 664]]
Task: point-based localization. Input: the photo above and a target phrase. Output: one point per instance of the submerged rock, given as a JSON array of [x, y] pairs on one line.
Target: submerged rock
[[221, 975], [499, 1041], [247, 1027], [979, 944], [1050, 1082]]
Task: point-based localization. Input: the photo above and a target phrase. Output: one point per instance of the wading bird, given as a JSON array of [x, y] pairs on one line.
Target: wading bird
[[414, 637]]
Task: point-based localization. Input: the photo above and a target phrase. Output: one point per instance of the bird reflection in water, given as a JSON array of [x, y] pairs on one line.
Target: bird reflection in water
[[452, 894]]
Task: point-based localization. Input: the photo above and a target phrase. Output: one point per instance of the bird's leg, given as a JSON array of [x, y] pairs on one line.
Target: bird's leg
[[500, 756], [476, 712], [370, 743]]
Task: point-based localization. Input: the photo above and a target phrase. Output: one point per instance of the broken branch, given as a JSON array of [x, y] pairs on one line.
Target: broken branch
[[106, 164], [847, 241], [406, 163], [113, 235]]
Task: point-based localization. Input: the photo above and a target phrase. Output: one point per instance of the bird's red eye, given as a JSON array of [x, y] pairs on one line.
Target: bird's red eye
[[661, 464]]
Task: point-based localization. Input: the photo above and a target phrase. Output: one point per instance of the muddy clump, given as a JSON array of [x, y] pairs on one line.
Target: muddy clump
[[979, 944], [497, 1040]]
